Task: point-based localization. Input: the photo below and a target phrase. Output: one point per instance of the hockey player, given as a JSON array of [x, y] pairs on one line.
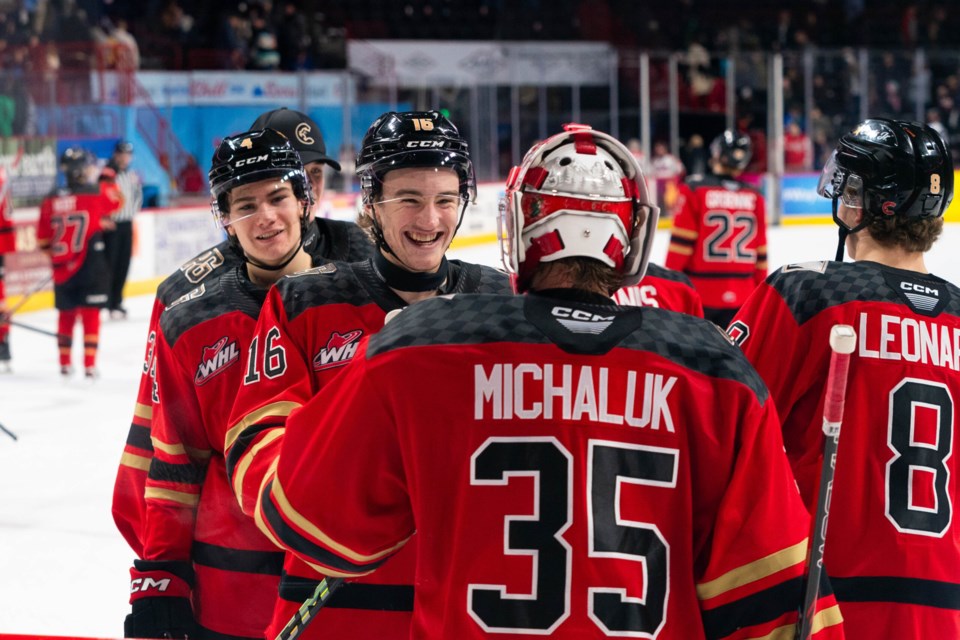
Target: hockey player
[[719, 236], [263, 199], [892, 546], [332, 239], [417, 179], [571, 468], [664, 288], [70, 231], [7, 245]]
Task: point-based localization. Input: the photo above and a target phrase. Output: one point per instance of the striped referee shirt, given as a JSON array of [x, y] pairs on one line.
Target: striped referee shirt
[[129, 183]]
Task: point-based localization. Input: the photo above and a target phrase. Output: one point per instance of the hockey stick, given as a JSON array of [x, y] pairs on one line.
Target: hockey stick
[[8, 432], [6, 315], [843, 340], [309, 608], [28, 327]]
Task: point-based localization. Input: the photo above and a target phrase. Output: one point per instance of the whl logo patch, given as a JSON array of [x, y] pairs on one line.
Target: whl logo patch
[[340, 349], [216, 358]]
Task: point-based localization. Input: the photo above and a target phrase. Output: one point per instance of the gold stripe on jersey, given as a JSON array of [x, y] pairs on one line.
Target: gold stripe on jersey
[[826, 618], [180, 450], [756, 570], [291, 514], [169, 449], [240, 472], [822, 620], [258, 507], [280, 409], [180, 497], [680, 249], [137, 462], [680, 232], [144, 411]]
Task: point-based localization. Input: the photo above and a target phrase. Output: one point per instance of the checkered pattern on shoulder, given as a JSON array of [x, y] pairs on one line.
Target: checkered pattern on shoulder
[[331, 283], [467, 277], [690, 342], [695, 344], [228, 293], [663, 273], [811, 288]]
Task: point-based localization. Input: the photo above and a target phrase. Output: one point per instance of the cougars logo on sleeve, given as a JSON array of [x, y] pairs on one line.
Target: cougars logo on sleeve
[[216, 358], [339, 350]]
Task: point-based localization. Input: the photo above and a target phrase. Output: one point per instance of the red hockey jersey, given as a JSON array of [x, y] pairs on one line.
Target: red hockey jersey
[[664, 288], [310, 327], [7, 231], [330, 239], [892, 548], [719, 239], [68, 223], [190, 510], [571, 469]]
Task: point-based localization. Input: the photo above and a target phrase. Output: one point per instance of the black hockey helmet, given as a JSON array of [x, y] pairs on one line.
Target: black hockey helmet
[[74, 162], [732, 149], [251, 157], [889, 168], [413, 139]]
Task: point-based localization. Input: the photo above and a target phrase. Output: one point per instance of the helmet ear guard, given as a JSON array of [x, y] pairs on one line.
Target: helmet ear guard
[[580, 193]]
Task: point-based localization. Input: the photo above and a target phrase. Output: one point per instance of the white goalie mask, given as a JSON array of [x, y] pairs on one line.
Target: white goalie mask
[[580, 193]]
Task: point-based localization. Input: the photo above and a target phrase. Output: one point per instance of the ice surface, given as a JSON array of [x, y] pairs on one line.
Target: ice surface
[[63, 566]]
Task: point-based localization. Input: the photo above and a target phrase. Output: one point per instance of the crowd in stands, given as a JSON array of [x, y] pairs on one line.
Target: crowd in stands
[[52, 36]]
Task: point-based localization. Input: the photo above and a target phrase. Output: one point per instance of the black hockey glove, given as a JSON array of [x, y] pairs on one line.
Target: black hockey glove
[[160, 601]]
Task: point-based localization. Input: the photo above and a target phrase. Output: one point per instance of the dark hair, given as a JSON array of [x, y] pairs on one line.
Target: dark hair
[[909, 234], [583, 273]]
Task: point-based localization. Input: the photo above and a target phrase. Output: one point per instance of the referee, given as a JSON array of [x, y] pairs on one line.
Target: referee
[[119, 243]]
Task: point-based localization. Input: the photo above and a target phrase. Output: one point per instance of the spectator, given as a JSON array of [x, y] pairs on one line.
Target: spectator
[[797, 149], [668, 171], [191, 178]]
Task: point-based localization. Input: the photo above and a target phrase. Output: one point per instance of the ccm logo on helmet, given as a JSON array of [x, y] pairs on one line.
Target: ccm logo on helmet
[[253, 160], [146, 584], [429, 144]]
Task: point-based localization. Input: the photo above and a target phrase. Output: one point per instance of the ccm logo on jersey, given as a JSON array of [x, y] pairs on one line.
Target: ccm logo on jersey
[[425, 144], [253, 160], [146, 584], [580, 321], [216, 358], [919, 288], [340, 349]]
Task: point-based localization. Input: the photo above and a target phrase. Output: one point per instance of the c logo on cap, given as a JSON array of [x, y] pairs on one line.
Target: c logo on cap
[[303, 133]]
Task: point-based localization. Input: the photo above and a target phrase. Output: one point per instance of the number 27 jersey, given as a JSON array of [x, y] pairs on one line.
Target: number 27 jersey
[[893, 544]]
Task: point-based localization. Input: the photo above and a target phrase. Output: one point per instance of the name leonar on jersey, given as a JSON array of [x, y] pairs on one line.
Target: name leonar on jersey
[[340, 349], [216, 358]]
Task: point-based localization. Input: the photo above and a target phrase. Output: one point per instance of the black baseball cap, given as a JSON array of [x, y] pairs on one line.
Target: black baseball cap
[[123, 146], [301, 130]]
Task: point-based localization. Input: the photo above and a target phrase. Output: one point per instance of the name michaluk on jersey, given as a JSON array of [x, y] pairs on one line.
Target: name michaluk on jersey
[[888, 337], [528, 391]]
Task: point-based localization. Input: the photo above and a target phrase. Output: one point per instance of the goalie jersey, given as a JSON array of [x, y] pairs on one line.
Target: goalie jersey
[[570, 467], [311, 326], [893, 545]]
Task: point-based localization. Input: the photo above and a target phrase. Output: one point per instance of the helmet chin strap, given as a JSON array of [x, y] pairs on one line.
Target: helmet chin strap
[[843, 233]]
